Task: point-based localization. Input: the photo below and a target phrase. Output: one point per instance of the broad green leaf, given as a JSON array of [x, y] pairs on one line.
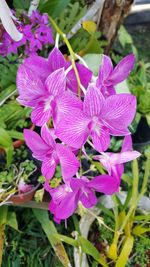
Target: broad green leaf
[[12, 220], [125, 252], [51, 232], [124, 37], [5, 94], [122, 87], [16, 135], [89, 26], [3, 215], [53, 7], [9, 154], [88, 248], [5, 139], [139, 230], [21, 4], [67, 240]]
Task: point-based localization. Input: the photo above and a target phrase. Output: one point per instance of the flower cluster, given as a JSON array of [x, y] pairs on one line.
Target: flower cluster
[[68, 123], [36, 33]]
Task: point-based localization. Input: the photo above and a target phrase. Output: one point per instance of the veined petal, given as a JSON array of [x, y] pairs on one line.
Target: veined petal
[[105, 70], [47, 137], [127, 143], [93, 102], [68, 161], [88, 198], [64, 105], [119, 111], [101, 140], [123, 69], [56, 59], [122, 157], [48, 168], [39, 65], [73, 130], [67, 206], [38, 147], [56, 82], [85, 76], [105, 184], [30, 87], [40, 116]]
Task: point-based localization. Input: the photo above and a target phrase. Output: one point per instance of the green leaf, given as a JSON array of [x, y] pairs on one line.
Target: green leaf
[[3, 215], [89, 26], [9, 154], [5, 94], [148, 119], [139, 230], [51, 232], [67, 240], [122, 87], [53, 7], [125, 253], [93, 61], [89, 249], [12, 220], [16, 135], [5, 139], [21, 4]]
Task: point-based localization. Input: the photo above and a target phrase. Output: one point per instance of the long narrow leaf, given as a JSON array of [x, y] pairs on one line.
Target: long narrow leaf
[[125, 253]]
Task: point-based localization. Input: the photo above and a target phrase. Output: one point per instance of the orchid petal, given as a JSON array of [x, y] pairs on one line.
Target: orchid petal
[[38, 147], [118, 112], [101, 141], [48, 168], [30, 87], [47, 137], [88, 198], [85, 76], [123, 69], [122, 157], [93, 102], [68, 161], [105, 70], [104, 184], [40, 116], [38, 65], [73, 129], [56, 59], [56, 82], [67, 206], [127, 143]]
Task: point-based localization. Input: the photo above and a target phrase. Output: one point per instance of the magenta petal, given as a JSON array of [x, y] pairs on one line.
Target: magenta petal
[[123, 69], [56, 82], [93, 102], [38, 147], [101, 141], [105, 184], [88, 198], [118, 112], [48, 168], [68, 161], [40, 116], [56, 59], [30, 87], [73, 130], [127, 143], [84, 73], [64, 103], [39, 65], [122, 157], [105, 70], [67, 206], [47, 137]]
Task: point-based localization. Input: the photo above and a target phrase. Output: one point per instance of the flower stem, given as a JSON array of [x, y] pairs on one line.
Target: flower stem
[[72, 54]]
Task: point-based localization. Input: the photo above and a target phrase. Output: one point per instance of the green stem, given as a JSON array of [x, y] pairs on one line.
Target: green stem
[[2, 236], [146, 175], [72, 54]]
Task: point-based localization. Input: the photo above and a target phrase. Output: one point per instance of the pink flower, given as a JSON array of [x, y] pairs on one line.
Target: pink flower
[[65, 198], [98, 119], [47, 99], [23, 187], [109, 77], [45, 149], [113, 162]]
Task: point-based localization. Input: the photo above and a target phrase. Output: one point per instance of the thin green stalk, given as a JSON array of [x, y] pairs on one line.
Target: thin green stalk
[[72, 54], [146, 175]]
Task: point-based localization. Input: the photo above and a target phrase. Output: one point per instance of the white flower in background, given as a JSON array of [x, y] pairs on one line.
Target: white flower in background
[[7, 18]]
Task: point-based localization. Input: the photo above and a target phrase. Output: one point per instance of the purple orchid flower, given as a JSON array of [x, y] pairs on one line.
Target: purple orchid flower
[[109, 77], [51, 154], [65, 198], [46, 99], [113, 162], [54, 62], [98, 119]]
